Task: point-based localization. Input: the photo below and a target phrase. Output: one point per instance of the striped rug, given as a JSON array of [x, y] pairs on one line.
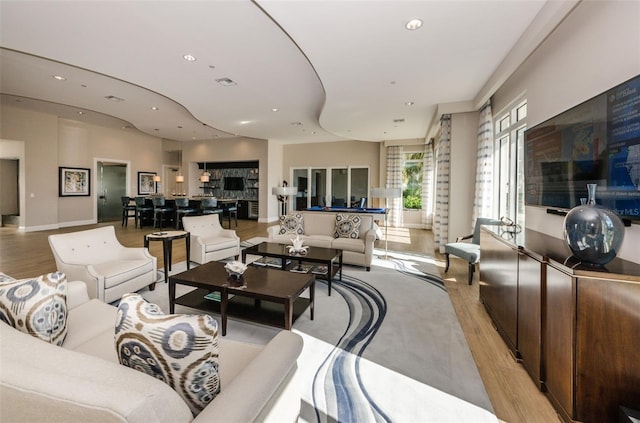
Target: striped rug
[[386, 346]]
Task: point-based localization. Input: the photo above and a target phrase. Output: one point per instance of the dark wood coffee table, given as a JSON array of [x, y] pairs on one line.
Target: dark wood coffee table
[[258, 297], [330, 257]]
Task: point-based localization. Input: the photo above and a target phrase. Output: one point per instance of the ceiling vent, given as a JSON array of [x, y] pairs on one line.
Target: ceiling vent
[[114, 98], [398, 120], [227, 82]]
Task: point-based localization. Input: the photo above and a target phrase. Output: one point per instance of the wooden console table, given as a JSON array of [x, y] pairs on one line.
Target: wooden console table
[[574, 328]]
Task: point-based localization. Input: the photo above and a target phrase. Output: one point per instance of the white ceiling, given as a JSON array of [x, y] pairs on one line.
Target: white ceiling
[[334, 70]]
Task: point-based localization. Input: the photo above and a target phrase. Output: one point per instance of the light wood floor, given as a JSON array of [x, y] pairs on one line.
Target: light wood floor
[[513, 395]]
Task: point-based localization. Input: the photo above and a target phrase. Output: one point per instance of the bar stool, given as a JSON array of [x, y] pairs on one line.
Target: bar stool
[[142, 210], [209, 205], [231, 210], [161, 212], [128, 210], [183, 209]]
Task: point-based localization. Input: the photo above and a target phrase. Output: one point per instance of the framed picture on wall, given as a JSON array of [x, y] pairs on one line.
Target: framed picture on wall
[[74, 182], [146, 184]]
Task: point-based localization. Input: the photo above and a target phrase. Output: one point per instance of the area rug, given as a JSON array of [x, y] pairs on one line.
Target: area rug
[[386, 346]]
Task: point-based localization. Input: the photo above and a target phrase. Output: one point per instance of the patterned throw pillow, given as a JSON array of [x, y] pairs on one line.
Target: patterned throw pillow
[[292, 223], [36, 306], [6, 278], [180, 350], [347, 226]]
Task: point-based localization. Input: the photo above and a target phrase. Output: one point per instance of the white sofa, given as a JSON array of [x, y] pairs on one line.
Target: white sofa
[[82, 381], [319, 229], [209, 240], [96, 257]]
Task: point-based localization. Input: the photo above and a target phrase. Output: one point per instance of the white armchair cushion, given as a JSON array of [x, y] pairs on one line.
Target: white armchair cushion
[[36, 306], [117, 272], [215, 244]]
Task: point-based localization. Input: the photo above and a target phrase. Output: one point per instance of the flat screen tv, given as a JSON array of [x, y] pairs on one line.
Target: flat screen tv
[[233, 183], [597, 141]]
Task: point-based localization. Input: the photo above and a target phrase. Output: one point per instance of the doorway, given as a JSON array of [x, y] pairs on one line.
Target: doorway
[[112, 185], [9, 192]]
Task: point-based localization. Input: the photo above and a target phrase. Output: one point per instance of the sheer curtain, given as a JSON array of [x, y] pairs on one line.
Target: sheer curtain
[[441, 216], [427, 186], [394, 180], [483, 201]]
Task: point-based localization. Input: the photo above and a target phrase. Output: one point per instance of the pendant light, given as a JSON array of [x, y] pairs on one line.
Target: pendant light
[[180, 176], [206, 176]]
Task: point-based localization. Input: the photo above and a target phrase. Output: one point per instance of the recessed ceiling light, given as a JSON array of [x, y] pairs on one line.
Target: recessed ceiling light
[[413, 24], [189, 58], [154, 108], [409, 103], [274, 110], [81, 112], [59, 78], [227, 82]]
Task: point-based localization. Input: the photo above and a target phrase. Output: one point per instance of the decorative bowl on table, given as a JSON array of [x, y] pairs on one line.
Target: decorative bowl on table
[[235, 269]]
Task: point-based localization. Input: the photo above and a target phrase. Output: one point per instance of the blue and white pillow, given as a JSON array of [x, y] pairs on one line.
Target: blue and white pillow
[[37, 306], [347, 226], [292, 224], [178, 349]]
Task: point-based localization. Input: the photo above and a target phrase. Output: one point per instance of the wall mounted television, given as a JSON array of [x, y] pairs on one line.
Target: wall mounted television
[[233, 183], [597, 141]]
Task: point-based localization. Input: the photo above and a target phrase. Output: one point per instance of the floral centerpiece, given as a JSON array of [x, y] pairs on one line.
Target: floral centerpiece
[[235, 269], [297, 247]]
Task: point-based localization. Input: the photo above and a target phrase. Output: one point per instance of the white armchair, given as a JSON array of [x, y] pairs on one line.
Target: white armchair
[[95, 256], [209, 240]]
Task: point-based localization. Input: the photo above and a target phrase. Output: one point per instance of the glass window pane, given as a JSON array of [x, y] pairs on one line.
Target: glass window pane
[[300, 180], [359, 184], [318, 187], [412, 181], [521, 112], [339, 187], [504, 123]]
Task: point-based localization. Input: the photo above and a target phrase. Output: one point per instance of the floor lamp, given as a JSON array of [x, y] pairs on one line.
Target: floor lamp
[[283, 194], [386, 193]]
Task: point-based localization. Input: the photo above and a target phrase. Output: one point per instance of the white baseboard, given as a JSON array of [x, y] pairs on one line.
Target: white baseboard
[[56, 226]]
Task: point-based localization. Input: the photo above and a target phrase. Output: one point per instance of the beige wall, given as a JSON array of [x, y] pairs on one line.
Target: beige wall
[[39, 132], [50, 142], [594, 49]]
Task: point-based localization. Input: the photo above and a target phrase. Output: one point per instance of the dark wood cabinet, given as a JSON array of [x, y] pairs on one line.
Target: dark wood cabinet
[[607, 357], [576, 327], [499, 285], [531, 283], [559, 340]]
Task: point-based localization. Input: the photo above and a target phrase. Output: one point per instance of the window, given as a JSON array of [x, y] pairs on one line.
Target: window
[[339, 186], [412, 180], [509, 166]]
